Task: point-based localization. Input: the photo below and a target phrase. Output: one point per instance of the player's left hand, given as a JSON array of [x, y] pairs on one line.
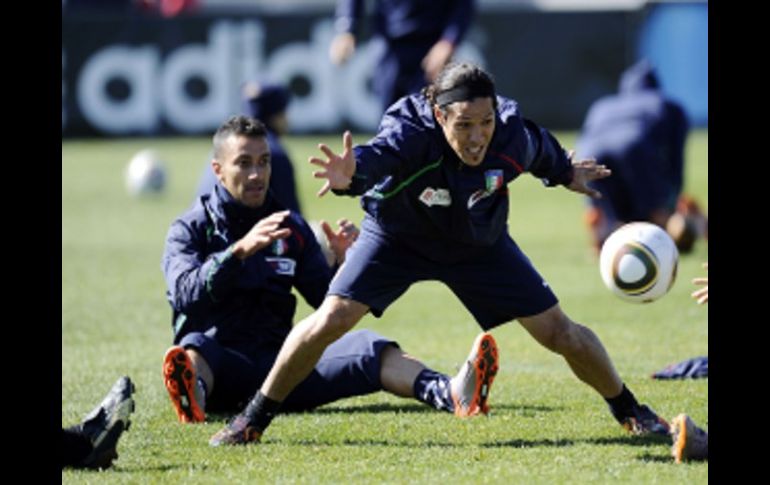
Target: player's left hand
[[342, 239], [584, 171]]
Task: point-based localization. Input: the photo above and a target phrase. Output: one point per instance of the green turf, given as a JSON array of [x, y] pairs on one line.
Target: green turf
[[545, 427]]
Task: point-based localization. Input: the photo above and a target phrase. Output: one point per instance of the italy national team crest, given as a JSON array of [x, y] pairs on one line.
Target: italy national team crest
[[280, 246], [493, 180], [282, 266]]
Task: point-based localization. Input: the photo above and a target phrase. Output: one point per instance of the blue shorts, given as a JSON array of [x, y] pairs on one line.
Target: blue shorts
[[496, 284], [349, 367]]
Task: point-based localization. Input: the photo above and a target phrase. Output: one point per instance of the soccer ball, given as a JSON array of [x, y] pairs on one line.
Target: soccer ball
[[145, 174], [638, 262]]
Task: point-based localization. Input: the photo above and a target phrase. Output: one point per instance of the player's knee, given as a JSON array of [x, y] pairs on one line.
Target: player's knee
[[335, 319]]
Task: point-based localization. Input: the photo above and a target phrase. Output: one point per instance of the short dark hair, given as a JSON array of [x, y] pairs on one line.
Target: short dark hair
[[238, 125], [460, 81]]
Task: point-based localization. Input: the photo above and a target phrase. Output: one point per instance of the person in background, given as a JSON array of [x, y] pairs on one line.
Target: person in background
[[640, 135], [419, 36]]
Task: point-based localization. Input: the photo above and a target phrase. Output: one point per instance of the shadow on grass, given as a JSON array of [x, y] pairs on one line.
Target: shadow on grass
[[513, 443], [630, 440], [374, 408], [365, 442], [527, 408], [648, 458], [422, 408], [156, 468], [544, 443]]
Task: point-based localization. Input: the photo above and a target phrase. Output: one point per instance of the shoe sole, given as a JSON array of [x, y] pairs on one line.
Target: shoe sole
[[118, 420], [681, 439], [179, 378], [485, 366]]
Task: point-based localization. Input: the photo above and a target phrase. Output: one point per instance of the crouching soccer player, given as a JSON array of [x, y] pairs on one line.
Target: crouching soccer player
[[434, 187]]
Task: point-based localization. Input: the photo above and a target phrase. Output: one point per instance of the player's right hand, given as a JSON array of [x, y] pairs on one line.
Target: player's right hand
[[262, 234], [338, 170]]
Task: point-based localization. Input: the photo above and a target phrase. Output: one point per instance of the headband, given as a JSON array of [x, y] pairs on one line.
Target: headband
[[465, 93]]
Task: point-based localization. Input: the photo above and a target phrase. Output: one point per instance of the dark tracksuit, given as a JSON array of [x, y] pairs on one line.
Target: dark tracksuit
[[238, 313], [431, 217], [408, 29], [640, 136]]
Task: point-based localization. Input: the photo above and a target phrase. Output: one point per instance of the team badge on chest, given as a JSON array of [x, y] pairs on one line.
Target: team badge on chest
[[493, 180]]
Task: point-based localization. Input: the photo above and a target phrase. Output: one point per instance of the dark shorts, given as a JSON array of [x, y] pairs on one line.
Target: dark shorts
[[349, 367], [497, 284]]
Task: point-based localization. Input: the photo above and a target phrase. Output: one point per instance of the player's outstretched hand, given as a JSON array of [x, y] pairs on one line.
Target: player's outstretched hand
[[338, 170], [585, 171]]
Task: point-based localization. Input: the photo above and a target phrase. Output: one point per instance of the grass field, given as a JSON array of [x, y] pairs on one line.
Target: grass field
[[545, 426]]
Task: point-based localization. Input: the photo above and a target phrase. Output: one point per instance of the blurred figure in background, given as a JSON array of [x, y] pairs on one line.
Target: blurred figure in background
[[267, 102], [420, 37], [640, 135]]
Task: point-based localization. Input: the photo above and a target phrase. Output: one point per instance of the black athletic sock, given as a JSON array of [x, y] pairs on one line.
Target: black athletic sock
[[434, 390], [622, 405], [261, 411]]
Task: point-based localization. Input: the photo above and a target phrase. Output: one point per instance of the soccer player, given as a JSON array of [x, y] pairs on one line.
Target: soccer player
[[93, 442], [434, 186], [267, 102], [418, 37], [230, 264], [640, 136]]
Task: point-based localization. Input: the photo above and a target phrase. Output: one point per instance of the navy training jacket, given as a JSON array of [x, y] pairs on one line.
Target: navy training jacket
[[414, 185], [210, 290]]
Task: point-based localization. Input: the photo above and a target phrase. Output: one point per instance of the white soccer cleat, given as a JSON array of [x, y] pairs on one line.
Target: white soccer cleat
[[470, 387]]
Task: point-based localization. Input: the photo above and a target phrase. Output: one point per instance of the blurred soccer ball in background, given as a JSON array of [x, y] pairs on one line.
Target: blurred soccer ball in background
[[145, 174], [638, 262]]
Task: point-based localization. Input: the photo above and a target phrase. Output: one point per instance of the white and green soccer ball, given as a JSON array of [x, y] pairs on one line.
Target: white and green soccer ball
[[145, 173], [638, 262]]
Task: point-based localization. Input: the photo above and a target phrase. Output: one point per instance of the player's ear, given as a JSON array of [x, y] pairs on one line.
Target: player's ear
[[217, 168], [439, 114]]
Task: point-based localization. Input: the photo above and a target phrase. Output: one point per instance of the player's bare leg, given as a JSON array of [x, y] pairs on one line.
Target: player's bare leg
[[579, 346]]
